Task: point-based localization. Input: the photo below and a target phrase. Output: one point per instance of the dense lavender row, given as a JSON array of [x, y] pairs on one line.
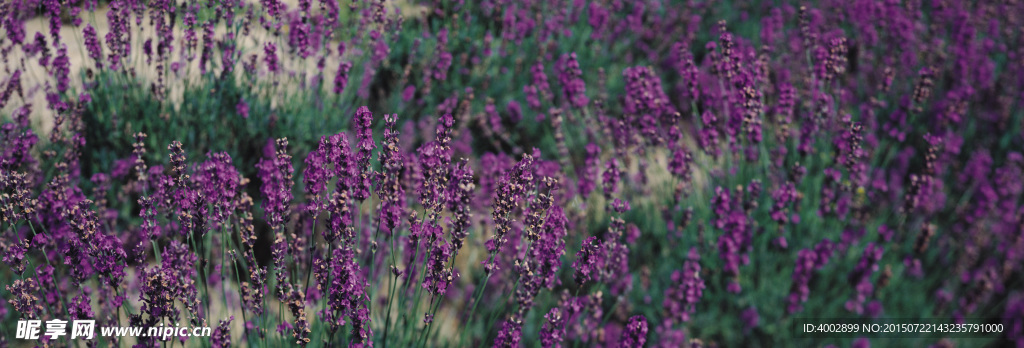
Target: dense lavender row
[[511, 173]]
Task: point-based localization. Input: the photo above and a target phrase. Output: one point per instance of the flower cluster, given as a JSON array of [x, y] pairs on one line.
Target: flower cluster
[[855, 144]]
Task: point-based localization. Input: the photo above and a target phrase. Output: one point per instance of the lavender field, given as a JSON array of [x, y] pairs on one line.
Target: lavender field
[[513, 173]]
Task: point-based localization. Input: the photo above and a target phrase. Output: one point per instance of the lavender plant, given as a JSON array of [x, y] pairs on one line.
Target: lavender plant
[[511, 173]]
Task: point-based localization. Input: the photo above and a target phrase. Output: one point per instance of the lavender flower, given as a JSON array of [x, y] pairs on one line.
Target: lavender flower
[[276, 175], [515, 111], [341, 79], [389, 186], [16, 202], [92, 45], [686, 68], [13, 85], [442, 61], [364, 146], [242, 108], [750, 317], [62, 69], [573, 88], [14, 255], [345, 296], [459, 196], [317, 174], [435, 163], [589, 261], [688, 288], [1014, 319], [540, 268], [588, 177], [507, 195], [222, 334], [438, 275], [219, 182], [799, 292], [735, 240], [610, 178], [270, 53], [923, 89], [340, 219], [23, 297], [549, 248], [636, 332], [860, 277], [553, 331], [644, 94], [510, 334]]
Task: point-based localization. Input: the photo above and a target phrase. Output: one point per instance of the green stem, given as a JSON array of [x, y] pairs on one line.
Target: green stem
[[476, 301]]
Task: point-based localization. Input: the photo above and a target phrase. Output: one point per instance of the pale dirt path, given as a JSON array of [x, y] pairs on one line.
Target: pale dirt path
[[34, 77]]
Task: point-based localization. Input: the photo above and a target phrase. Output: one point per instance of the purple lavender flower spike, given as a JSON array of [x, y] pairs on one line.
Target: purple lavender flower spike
[[589, 261], [636, 332], [688, 288]]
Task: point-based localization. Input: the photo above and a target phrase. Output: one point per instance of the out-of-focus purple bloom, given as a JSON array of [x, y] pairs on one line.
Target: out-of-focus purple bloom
[[688, 70], [636, 332], [408, 93], [588, 175], [13, 86], [442, 59], [341, 78], [831, 201], [610, 178], [670, 337], [808, 260], [687, 289], [644, 93], [270, 57], [708, 137], [616, 264], [92, 45], [571, 77], [242, 108], [735, 241], [62, 69], [1013, 318], [515, 112], [750, 317], [860, 277], [539, 89]]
